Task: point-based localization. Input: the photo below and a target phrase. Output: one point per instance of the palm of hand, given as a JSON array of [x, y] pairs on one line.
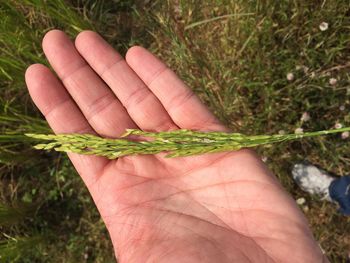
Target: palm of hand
[[226, 208], [212, 208]]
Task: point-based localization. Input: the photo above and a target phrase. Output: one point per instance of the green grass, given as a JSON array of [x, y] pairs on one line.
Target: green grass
[[234, 54]]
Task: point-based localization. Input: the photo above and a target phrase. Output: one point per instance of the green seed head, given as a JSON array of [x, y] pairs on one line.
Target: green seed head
[[177, 143]]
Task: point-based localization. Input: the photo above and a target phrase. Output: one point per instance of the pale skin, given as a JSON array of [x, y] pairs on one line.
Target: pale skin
[[212, 208]]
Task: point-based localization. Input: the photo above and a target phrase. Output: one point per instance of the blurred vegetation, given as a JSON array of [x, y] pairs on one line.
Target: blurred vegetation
[[234, 54]]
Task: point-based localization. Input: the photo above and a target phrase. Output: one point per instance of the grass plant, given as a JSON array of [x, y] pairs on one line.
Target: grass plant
[[17, 249], [12, 215]]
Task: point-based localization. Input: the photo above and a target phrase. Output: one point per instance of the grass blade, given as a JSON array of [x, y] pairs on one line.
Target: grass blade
[[209, 20]]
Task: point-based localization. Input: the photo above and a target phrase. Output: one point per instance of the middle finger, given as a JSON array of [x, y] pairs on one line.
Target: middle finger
[[97, 102], [142, 105]]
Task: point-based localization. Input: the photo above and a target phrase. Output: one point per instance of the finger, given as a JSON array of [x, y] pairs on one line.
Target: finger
[[183, 106], [97, 102], [62, 115], [143, 107]]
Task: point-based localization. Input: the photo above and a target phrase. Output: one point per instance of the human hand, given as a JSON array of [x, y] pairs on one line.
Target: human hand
[[223, 207]]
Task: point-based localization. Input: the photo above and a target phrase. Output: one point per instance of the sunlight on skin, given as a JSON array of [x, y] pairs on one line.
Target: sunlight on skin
[[213, 208]]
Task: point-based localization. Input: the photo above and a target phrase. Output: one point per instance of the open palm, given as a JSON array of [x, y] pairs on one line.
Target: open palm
[[212, 208]]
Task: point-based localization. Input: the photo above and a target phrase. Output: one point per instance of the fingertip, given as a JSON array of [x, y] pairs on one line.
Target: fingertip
[[34, 68], [146, 65], [86, 41], [52, 35], [54, 38], [30, 71], [134, 53], [96, 51], [85, 36], [35, 72]]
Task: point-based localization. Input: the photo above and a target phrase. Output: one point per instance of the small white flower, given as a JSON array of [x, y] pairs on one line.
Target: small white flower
[[342, 108], [264, 159], [281, 132], [301, 201], [299, 131], [290, 76], [306, 209], [305, 117], [338, 125], [312, 75], [323, 26], [345, 135], [333, 81]]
